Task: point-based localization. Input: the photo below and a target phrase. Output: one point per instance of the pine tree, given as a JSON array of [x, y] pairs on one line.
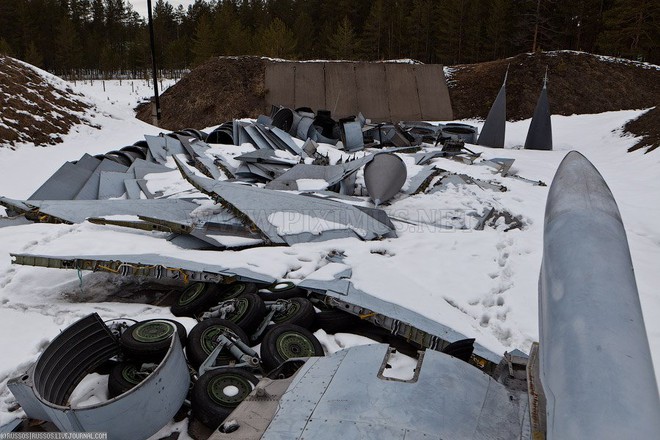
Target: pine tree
[[418, 30], [450, 32], [277, 40], [306, 36], [33, 56], [631, 29], [68, 51], [230, 36], [372, 35], [5, 48], [203, 42], [343, 44], [496, 28]]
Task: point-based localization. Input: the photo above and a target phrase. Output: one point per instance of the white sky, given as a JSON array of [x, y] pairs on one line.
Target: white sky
[[140, 6]]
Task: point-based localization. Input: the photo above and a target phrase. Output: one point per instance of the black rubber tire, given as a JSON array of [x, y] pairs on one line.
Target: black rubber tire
[[335, 321], [210, 404], [233, 290], [301, 313], [122, 378], [194, 299], [286, 341], [200, 343], [149, 340], [282, 290], [250, 312]]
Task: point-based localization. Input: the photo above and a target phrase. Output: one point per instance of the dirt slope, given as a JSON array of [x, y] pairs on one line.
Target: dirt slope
[[578, 83], [34, 107]]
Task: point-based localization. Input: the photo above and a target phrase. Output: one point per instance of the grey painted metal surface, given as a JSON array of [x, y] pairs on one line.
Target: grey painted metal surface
[[399, 320], [44, 389], [265, 155], [90, 190], [111, 185], [162, 146], [279, 215], [352, 136], [492, 133], [11, 426], [88, 162], [145, 265], [421, 180], [345, 395], [288, 141], [140, 168], [256, 411], [14, 221], [211, 168], [384, 176], [64, 184], [331, 174], [539, 135], [133, 190], [595, 362], [77, 211]]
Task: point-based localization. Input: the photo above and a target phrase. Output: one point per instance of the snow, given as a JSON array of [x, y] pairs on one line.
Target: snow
[[311, 184], [480, 283], [290, 222]]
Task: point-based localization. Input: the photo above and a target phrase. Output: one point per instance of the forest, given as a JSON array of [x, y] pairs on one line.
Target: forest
[[74, 38]]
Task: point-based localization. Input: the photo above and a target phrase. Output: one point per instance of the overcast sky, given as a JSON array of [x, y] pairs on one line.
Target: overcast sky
[[140, 6]]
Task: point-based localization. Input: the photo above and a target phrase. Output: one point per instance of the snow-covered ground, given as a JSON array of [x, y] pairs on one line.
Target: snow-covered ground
[[481, 283]]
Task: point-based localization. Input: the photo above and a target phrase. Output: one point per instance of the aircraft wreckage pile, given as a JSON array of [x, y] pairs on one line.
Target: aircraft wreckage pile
[[283, 192]]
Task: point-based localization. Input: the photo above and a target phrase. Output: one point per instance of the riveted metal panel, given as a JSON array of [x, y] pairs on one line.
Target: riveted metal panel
[[344, 396]]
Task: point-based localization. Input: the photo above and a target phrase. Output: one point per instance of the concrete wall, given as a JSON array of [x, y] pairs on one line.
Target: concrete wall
[[381, 91]]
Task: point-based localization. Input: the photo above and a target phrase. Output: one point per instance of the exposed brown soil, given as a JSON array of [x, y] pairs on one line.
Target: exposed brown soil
[[578, 83], [647, 126], [34, 110], [219, 90]]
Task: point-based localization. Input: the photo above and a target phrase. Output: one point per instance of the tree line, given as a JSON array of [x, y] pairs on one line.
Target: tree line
[[72, 37]]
